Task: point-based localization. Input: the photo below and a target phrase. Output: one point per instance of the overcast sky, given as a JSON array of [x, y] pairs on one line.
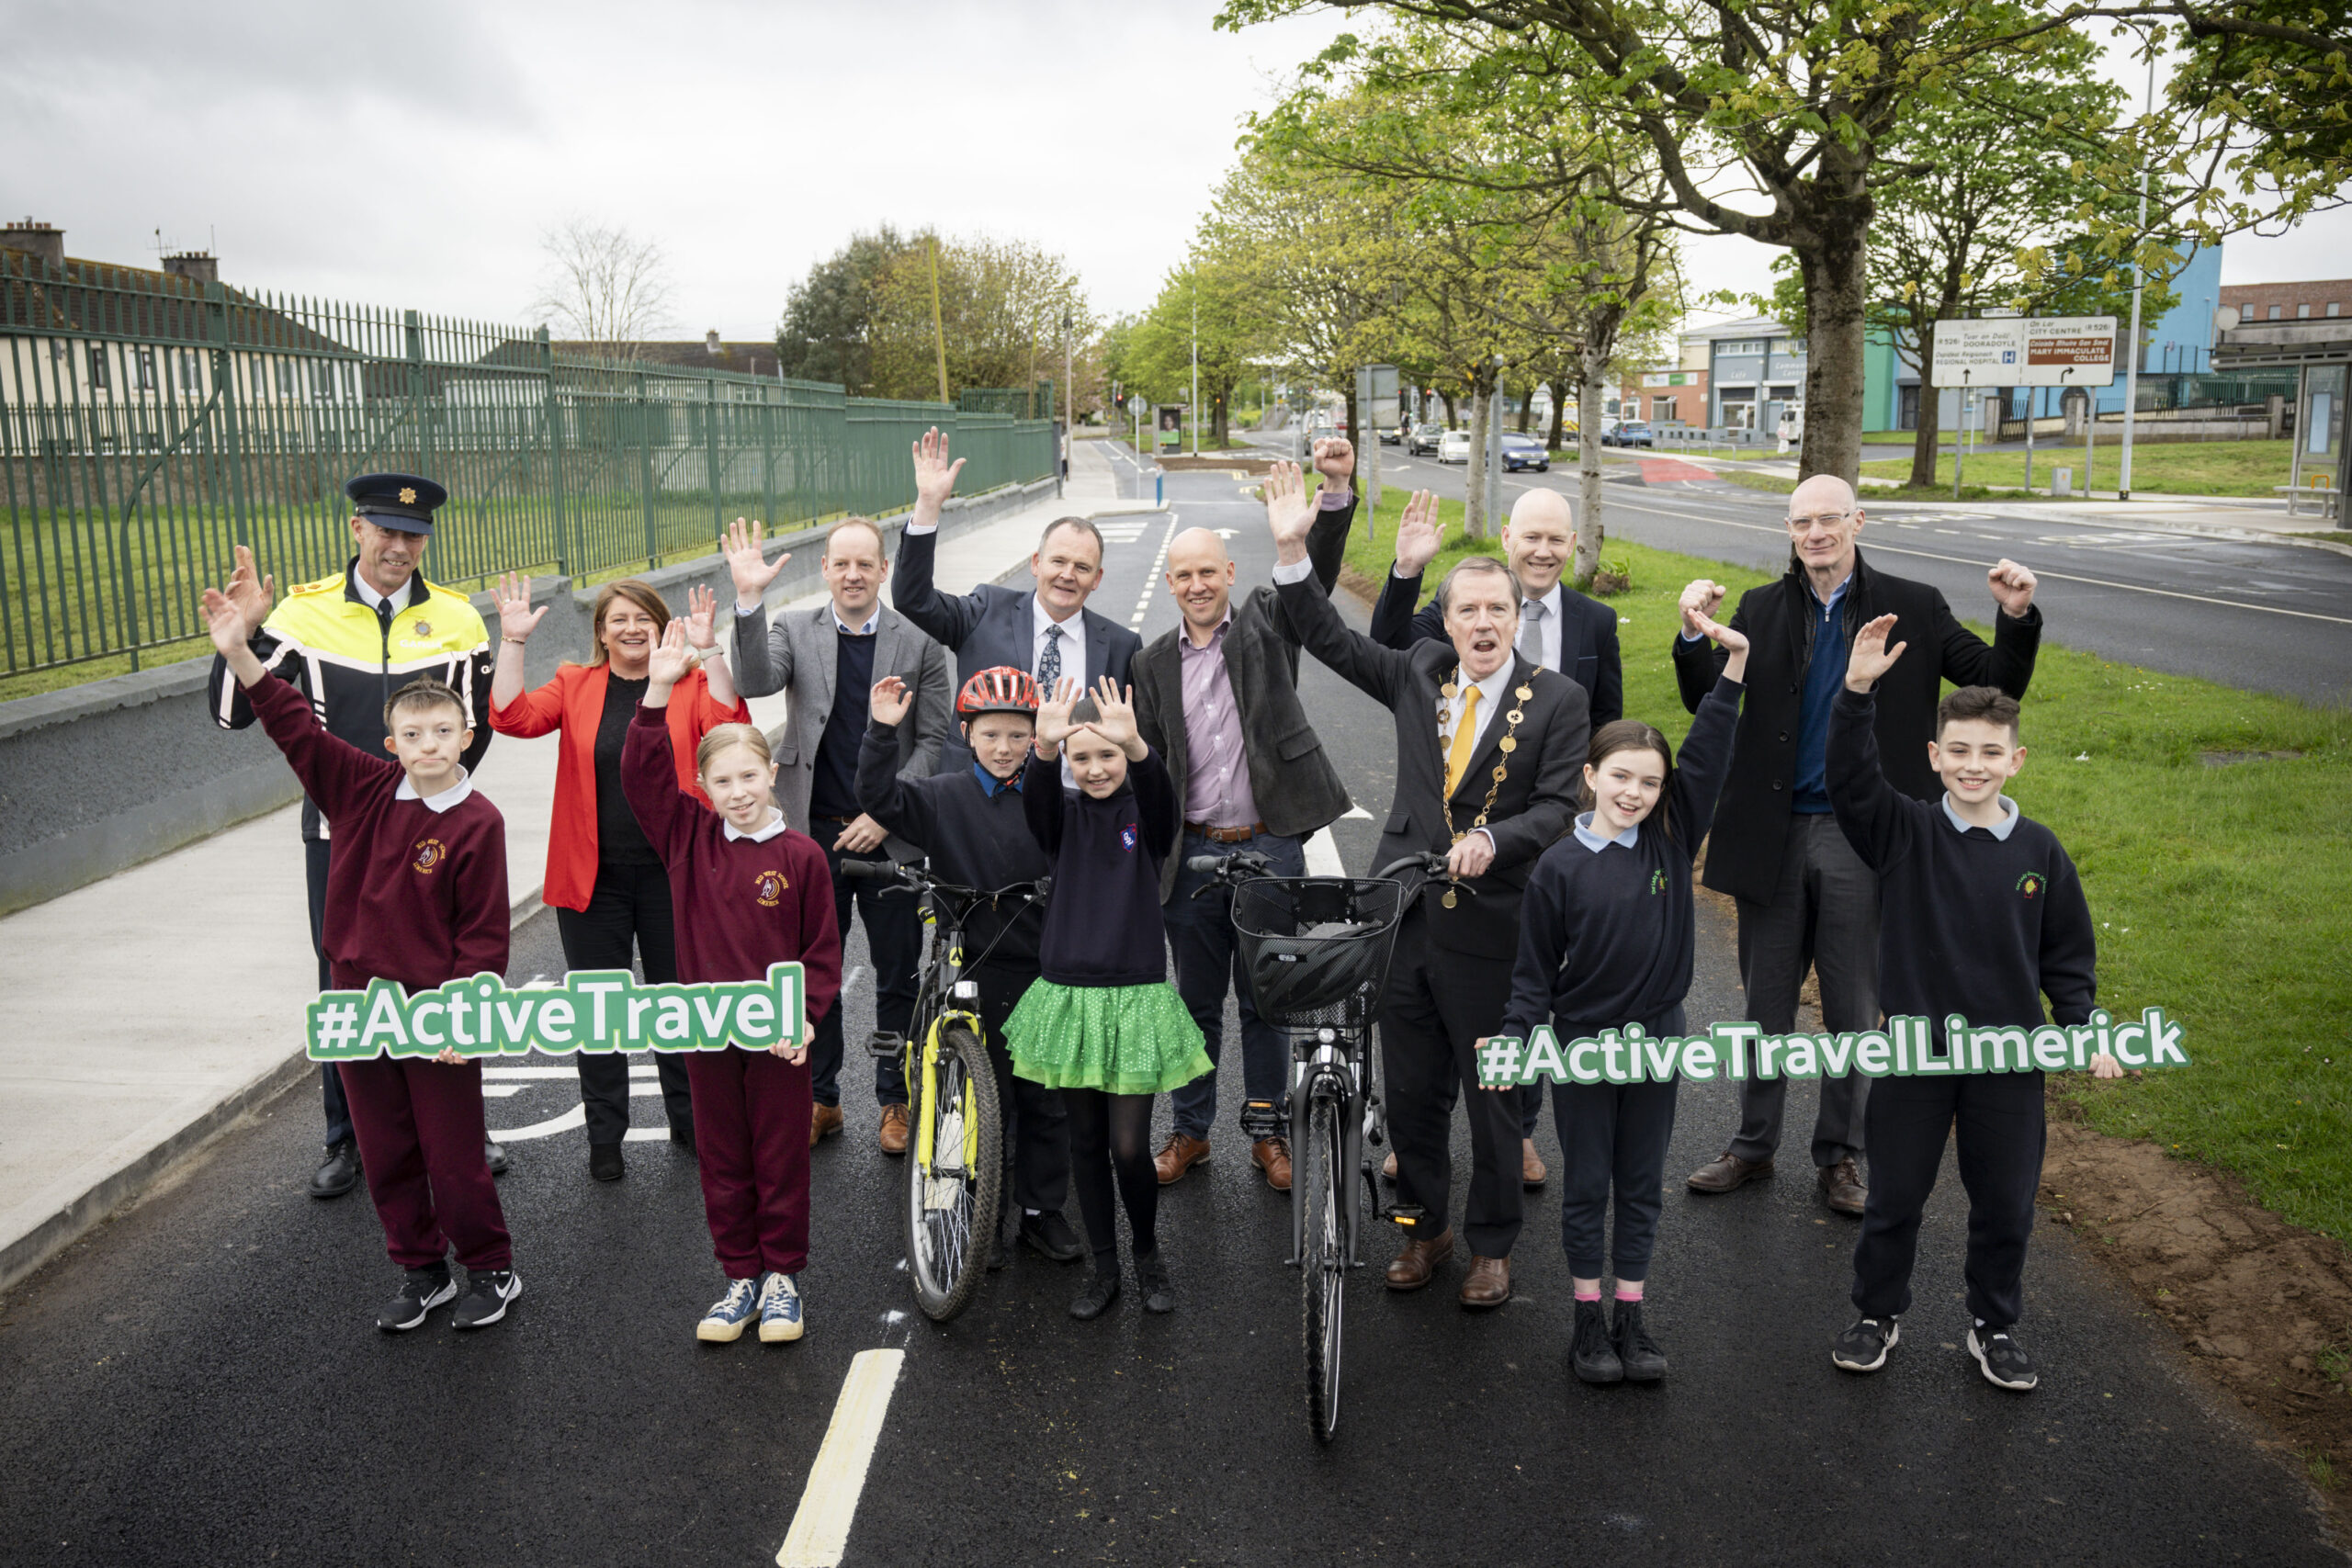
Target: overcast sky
[[413, 155]]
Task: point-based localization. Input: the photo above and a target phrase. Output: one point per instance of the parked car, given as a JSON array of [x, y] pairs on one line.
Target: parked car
[[1454, 447], [1423, 441], [1525, 451], [1394, 434], [1629, 433]]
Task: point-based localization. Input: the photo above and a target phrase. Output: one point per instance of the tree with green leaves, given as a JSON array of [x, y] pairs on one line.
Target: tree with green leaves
[[827, 331]]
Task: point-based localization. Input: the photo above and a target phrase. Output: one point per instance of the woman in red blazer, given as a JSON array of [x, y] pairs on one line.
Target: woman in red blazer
[[604, 881]]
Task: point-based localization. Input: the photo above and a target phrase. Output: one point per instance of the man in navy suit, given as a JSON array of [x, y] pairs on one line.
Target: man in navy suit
[[1559, 628], [1048, 631]]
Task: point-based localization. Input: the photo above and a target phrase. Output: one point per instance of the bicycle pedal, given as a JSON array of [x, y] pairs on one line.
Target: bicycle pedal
[[886, 1046], [1260, 1121], [1406, 1214]]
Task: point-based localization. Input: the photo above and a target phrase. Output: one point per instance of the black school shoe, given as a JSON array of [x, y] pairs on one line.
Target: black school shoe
[[1636, 1351], [1863, 1346], [487, 1292], [2003, 1360], [495, 1157], [421, 1292], [1049, 1234], [1591, 1356], [605, 1162], [1151, 1278], [682, 1135], [1102, 1290], [338, 1173]]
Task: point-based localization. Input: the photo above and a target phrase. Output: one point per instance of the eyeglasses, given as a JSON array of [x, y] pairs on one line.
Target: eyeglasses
[[1820, 520]]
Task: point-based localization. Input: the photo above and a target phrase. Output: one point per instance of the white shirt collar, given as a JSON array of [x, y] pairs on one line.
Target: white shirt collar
[[367, 590], [1039, 620], [775, 825], [2008, 824], [1631, 837], [872, 621], [446, 800], [1492, 692]]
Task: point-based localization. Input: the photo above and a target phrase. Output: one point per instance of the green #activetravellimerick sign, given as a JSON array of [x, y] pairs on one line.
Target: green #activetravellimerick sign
[[591, 1009]]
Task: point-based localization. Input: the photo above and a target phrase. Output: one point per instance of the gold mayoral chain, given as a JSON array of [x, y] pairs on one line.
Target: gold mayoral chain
[[1507, 745]]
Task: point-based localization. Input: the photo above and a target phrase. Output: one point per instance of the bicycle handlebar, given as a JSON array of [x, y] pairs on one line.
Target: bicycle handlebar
[[1430, 863], [865, 869]]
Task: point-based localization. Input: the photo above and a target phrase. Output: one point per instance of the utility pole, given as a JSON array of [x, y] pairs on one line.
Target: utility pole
[[1196, 365], [1069, 394], [938, 333], [2139, 282]]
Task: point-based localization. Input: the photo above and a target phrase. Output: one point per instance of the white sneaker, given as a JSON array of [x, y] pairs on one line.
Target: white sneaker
[[723, 1324], [780, 1319]]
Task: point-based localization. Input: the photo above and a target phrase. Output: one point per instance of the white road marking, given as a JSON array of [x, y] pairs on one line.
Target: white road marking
[[1355, 813], [858, 973], [819, 1532], [1323, 856]]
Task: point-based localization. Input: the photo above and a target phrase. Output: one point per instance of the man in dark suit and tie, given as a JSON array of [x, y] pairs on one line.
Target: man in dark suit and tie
[[1489, 750], [1559, 628], [1048, 631]]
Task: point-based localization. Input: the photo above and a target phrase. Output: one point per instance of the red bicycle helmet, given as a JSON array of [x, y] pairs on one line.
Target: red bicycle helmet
[[1003, 689]]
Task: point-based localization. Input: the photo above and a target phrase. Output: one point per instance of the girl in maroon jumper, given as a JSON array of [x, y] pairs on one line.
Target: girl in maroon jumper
[[417, 894], [747, 891]]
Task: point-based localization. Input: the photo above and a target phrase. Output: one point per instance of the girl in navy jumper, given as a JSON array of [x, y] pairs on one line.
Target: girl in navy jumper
[[1102, 1023], [1605, 940], [748, 892]]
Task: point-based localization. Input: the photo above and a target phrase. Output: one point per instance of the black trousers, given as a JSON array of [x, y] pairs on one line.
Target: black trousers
[[1996, 1121], [628, 910], [316, 853], [1437, 1006], [894, 944], [1036, 1124], [1612, 1140]]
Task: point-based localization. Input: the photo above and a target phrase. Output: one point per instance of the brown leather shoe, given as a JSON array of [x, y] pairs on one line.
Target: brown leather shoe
[[1272, 1157], [1728, 1172], [1842, 1187], [1532, 1174], [1487, 1284], [1179, 1154], [893, 1136], [824, 1123], [1411, 1268], [1388, 1165]]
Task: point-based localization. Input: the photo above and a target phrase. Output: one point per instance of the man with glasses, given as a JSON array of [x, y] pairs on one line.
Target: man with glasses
[[1805, 899]]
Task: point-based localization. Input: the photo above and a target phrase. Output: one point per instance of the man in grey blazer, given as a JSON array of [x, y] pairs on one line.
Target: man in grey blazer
[[1046, 630], [829, 658], [1217, 698]]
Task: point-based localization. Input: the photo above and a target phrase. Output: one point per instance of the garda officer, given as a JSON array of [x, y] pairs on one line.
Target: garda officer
[[348, 642]]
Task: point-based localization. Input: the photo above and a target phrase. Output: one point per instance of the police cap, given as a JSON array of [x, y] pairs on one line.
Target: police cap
[[402, 502]]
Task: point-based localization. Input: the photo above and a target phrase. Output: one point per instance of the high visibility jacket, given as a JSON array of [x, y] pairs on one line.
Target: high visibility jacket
[[348, 659]]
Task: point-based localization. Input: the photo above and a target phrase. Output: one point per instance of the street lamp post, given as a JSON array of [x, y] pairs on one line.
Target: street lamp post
[[2139, 282], [1196, 367]]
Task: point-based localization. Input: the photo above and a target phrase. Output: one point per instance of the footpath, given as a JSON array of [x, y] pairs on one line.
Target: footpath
[[150, 1011]]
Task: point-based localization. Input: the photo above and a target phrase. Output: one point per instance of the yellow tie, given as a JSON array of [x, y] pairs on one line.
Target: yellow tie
[[1465, 733]]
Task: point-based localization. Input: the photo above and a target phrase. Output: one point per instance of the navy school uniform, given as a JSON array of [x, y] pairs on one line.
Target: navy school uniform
[[1982, 922], [1606, 936]]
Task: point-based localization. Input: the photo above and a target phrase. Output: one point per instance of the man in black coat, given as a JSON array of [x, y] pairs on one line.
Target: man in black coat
[[1046, 630], [1559, 628], [1805, 899], [1217, 698], [1489, 751]]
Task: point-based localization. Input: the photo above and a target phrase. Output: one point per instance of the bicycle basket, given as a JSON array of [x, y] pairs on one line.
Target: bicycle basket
[[1314, 945]]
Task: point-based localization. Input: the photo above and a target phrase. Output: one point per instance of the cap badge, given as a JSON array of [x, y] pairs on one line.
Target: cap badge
[[408, 496]]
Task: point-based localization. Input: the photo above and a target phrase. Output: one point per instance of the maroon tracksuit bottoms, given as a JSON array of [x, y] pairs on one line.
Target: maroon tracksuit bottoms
[[751, 1114], [421, 1132]]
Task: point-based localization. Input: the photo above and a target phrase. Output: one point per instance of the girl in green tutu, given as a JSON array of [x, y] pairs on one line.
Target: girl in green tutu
[[1100, 1024]]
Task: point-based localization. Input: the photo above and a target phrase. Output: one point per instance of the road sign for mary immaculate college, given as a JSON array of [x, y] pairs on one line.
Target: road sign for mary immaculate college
[[2025, 351]]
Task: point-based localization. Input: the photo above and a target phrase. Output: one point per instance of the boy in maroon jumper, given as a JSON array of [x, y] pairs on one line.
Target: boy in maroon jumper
[[417, 894], [748, 892]]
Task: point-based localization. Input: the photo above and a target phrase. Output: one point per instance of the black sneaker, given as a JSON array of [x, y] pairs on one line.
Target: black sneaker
[[493, 1156], [1863, 1346], [2005, 1363], [1151, 1278], [1102, 1290], [421, 1292], [1049, 1234], [605, 1162], [487, 1292], [1642, 1360], [1591, 1356], [338, 1173]]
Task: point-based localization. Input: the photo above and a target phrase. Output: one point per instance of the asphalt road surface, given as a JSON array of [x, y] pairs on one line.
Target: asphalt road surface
[[200, 1383], [2272, 617]]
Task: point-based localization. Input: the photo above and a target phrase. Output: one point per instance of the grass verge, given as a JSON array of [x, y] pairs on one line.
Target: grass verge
[[2208, 826], [2171, 468]]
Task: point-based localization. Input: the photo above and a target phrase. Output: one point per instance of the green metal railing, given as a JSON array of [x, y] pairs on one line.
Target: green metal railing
[[149, 423]]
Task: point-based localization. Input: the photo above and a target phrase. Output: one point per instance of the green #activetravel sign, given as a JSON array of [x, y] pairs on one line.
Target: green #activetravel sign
[[1903, 1049], [592, 1009]]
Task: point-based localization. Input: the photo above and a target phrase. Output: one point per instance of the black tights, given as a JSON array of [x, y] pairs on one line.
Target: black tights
[[1110, 1136]]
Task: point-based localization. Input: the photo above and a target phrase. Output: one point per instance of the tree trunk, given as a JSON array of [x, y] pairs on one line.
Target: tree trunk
[[1474, 494], [1526, 408], [1590, 529], [1835, 271], [1447, 398], [1559, 389], [1349, 381], [1923, 444]]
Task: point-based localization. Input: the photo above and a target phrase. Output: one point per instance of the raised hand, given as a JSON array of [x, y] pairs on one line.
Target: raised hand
[[702, 617], [1290, 510], [1417, 536], [1115, 717], [668, 663], [888, 702], [1335, 458], [248, 590], [2012, 587], [1733, 643], [1872, 657], [745, 563], [516, 619], [935, 475], [1700, 600], [1054, 724], [225, 622]]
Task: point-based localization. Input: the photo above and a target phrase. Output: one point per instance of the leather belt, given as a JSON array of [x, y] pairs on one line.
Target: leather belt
[[1225, 835]]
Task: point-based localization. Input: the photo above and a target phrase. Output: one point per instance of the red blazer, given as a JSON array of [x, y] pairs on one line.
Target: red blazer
[[574, 703]]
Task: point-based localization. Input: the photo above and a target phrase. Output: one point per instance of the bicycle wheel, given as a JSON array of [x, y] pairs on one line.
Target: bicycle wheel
[[954, 1173], [1321, 1188]]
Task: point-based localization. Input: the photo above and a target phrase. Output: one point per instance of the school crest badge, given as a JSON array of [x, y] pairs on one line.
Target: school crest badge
[[430, 853], [1127, 838], [2030, 884], [770, 886]]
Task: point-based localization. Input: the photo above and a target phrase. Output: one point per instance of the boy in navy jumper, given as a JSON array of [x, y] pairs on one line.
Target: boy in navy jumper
[[1981, 913], [971, 823], [417, 894]]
